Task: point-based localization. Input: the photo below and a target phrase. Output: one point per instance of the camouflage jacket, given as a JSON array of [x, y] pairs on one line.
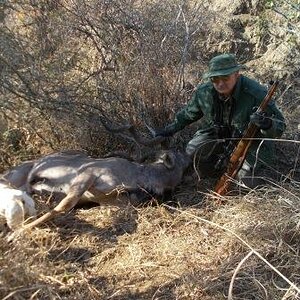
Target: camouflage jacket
[[247, 96]]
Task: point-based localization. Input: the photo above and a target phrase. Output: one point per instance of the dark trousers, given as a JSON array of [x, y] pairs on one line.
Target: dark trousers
[[208, 152]]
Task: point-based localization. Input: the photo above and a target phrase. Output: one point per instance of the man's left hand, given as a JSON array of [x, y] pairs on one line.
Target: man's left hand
[[261, 120]]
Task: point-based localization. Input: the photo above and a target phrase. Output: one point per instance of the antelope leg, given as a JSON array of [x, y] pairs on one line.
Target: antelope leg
[[80, 185]]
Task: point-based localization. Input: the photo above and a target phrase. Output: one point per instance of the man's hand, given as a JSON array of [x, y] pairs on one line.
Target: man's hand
[[261, 120], [167, 131]]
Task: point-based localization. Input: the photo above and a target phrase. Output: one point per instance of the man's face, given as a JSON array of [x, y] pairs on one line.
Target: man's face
[[225, 84]]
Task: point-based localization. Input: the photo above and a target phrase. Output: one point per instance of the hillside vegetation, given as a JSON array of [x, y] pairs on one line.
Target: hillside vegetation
[[65, 63]]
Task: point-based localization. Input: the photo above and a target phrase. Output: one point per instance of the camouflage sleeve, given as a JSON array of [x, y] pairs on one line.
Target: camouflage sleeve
[[190, 113]]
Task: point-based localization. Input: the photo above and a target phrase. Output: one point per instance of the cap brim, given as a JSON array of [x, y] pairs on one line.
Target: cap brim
[[222, 72]]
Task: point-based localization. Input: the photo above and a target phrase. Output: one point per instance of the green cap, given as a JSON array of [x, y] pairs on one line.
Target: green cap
[[221, 65]]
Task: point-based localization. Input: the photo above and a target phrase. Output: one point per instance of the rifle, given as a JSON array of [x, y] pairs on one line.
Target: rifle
[[239, 153]]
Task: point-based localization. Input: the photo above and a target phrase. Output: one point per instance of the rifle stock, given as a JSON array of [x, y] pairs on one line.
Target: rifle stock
[[239, 153]]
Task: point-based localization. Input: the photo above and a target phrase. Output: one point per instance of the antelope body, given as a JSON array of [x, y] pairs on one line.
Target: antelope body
[[78, 178]]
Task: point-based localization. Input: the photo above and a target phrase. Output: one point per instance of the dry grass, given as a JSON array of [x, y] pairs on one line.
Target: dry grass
[[246, 248], [162, 252]]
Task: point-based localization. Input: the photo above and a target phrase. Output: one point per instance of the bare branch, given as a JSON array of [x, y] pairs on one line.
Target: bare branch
[[131, 134]]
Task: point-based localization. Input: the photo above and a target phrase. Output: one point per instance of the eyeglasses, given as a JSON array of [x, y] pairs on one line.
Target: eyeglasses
[[217, 79]]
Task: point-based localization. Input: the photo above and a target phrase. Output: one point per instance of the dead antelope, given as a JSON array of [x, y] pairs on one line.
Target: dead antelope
[[97, 179], [79, 178]]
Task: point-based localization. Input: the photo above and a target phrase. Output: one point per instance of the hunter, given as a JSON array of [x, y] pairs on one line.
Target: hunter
[[226, 103]]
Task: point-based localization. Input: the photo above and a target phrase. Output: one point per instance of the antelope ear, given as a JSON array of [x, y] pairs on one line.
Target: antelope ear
[[168, 160]]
